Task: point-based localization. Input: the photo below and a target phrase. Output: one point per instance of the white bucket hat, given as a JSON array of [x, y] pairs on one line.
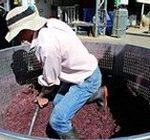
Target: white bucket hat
[[21, 18]]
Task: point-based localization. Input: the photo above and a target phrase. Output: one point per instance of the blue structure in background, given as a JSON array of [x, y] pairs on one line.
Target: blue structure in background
[[105, 22], [88, 14], [110, 18]]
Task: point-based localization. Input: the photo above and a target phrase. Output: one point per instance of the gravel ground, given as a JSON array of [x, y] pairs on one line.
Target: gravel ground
[[134, 36]]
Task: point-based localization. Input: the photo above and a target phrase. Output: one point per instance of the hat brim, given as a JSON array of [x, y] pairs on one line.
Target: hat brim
[[37, 23]]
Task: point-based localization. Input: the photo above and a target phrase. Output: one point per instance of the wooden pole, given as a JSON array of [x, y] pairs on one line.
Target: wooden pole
[[142, 12], [96, 19], [105, 9]]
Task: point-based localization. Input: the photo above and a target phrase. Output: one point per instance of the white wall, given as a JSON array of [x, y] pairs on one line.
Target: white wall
[[44, 7], [144, 1], [27, 2]]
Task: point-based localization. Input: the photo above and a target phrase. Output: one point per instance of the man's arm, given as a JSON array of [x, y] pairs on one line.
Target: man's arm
[[47, 91]]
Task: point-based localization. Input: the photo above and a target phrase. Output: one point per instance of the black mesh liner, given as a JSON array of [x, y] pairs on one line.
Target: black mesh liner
[[121, 65]]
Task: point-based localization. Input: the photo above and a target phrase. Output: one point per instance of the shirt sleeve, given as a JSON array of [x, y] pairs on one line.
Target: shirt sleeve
[[48, 53]]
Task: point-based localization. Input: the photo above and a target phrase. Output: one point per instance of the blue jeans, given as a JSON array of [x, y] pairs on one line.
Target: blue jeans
[[70, 99]]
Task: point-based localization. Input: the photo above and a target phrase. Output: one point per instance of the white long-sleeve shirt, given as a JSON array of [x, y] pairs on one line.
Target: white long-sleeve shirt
[[62, 55]]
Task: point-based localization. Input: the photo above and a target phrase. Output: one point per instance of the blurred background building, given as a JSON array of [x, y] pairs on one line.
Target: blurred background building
[[92, 17]]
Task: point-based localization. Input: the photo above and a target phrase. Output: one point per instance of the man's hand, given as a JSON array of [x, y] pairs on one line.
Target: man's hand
[[42, 98], [41, 101]]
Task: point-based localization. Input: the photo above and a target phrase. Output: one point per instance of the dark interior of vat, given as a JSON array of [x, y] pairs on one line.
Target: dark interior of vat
[[125, 72], [131, 112]]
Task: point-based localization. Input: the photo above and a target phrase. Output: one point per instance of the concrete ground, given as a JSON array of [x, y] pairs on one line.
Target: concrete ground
[[134, 36]]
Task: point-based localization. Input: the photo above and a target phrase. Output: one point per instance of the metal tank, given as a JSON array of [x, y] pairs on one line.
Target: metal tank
[[124, 68]]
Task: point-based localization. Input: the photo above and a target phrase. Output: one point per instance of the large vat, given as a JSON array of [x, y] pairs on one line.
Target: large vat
[[126, 72]]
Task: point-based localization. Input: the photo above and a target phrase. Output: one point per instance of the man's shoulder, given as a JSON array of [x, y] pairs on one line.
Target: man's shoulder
[[54, 22], [58, 24]]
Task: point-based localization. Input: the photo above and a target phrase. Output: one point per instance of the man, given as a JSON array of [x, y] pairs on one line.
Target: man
[[65, 62]]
